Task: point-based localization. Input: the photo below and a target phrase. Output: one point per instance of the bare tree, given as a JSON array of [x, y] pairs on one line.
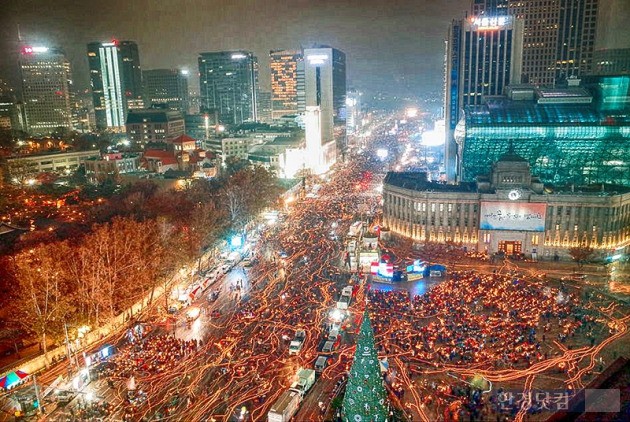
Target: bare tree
[[581, 254], [45, 296]]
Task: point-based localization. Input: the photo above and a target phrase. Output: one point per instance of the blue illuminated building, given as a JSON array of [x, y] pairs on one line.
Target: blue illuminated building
[[577, 135]]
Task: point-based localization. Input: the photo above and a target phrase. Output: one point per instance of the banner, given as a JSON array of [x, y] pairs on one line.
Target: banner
[[519, 216]]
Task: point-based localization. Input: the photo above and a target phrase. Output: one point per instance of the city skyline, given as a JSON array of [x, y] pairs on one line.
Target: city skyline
[[408, 36]]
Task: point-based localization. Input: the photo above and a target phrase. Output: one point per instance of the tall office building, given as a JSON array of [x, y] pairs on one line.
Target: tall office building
[[11, 115], [131, 73], [229, 84], [558, 39], [166, 86], [46, 84], [284, 80], [353, 111], [614, 61], [325, 87], [264, 106], [116, 80], [301, 89], [483, 56]]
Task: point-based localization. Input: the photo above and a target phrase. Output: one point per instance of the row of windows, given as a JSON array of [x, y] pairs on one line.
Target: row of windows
[[585, 218]]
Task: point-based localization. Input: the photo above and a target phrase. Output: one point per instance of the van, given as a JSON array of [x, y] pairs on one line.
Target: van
[[333, 335], [329, 346], [321, 363]]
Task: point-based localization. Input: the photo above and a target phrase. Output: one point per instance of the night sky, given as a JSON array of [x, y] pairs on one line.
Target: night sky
[[393, 45]]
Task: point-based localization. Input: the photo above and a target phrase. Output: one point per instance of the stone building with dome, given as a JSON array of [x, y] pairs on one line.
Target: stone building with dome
[[509, 211]]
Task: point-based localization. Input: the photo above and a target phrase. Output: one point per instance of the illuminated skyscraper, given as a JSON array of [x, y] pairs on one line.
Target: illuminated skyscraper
[[559, 35], [483, 56], [229, 84], [166, 86], [325, 87], [46, 84], [116, 81], [284, 80]]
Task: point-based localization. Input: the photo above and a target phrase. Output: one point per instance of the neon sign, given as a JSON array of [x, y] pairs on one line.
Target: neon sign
[[489, 23], [31, 50]]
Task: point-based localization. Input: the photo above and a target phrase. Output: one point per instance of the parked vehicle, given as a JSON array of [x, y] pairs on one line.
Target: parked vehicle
[[333, 335], [285, 407], [330, 346], [347, 293], [288, 403], [321, 363], [305, 378], [297, 342]]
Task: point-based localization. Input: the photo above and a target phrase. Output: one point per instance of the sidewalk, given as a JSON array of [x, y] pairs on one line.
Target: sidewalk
[[33, 365]]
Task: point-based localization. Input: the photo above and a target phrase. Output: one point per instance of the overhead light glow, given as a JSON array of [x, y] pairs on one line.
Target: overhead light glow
[[238, 56], [317, 58], [185, 72]]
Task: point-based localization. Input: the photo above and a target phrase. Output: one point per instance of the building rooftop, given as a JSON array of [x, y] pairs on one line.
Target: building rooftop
[[503, 111], [182, 139], [294, 139], [156, 154], [567, 92], [418, 181], [152, 116]]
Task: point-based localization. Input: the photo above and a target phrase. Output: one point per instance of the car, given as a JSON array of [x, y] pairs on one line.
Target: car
[[225, 268], [64, 397], [247, 262]]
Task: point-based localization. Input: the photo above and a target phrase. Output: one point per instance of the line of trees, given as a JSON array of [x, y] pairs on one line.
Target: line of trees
[[140, 236]]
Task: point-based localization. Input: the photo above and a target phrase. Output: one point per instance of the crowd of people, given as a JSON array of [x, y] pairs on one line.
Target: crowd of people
[[151, 355], [89, 411], [494, 320]]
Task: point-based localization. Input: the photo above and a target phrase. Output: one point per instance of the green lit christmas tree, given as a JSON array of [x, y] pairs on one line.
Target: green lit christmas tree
[[366, 398]]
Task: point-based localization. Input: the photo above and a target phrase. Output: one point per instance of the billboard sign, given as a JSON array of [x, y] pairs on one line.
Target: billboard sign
[[518, 216]]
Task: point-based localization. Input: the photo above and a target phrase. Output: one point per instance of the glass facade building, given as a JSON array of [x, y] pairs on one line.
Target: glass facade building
[[228, 82], [166, 86], [568, 136], [483, 56]]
